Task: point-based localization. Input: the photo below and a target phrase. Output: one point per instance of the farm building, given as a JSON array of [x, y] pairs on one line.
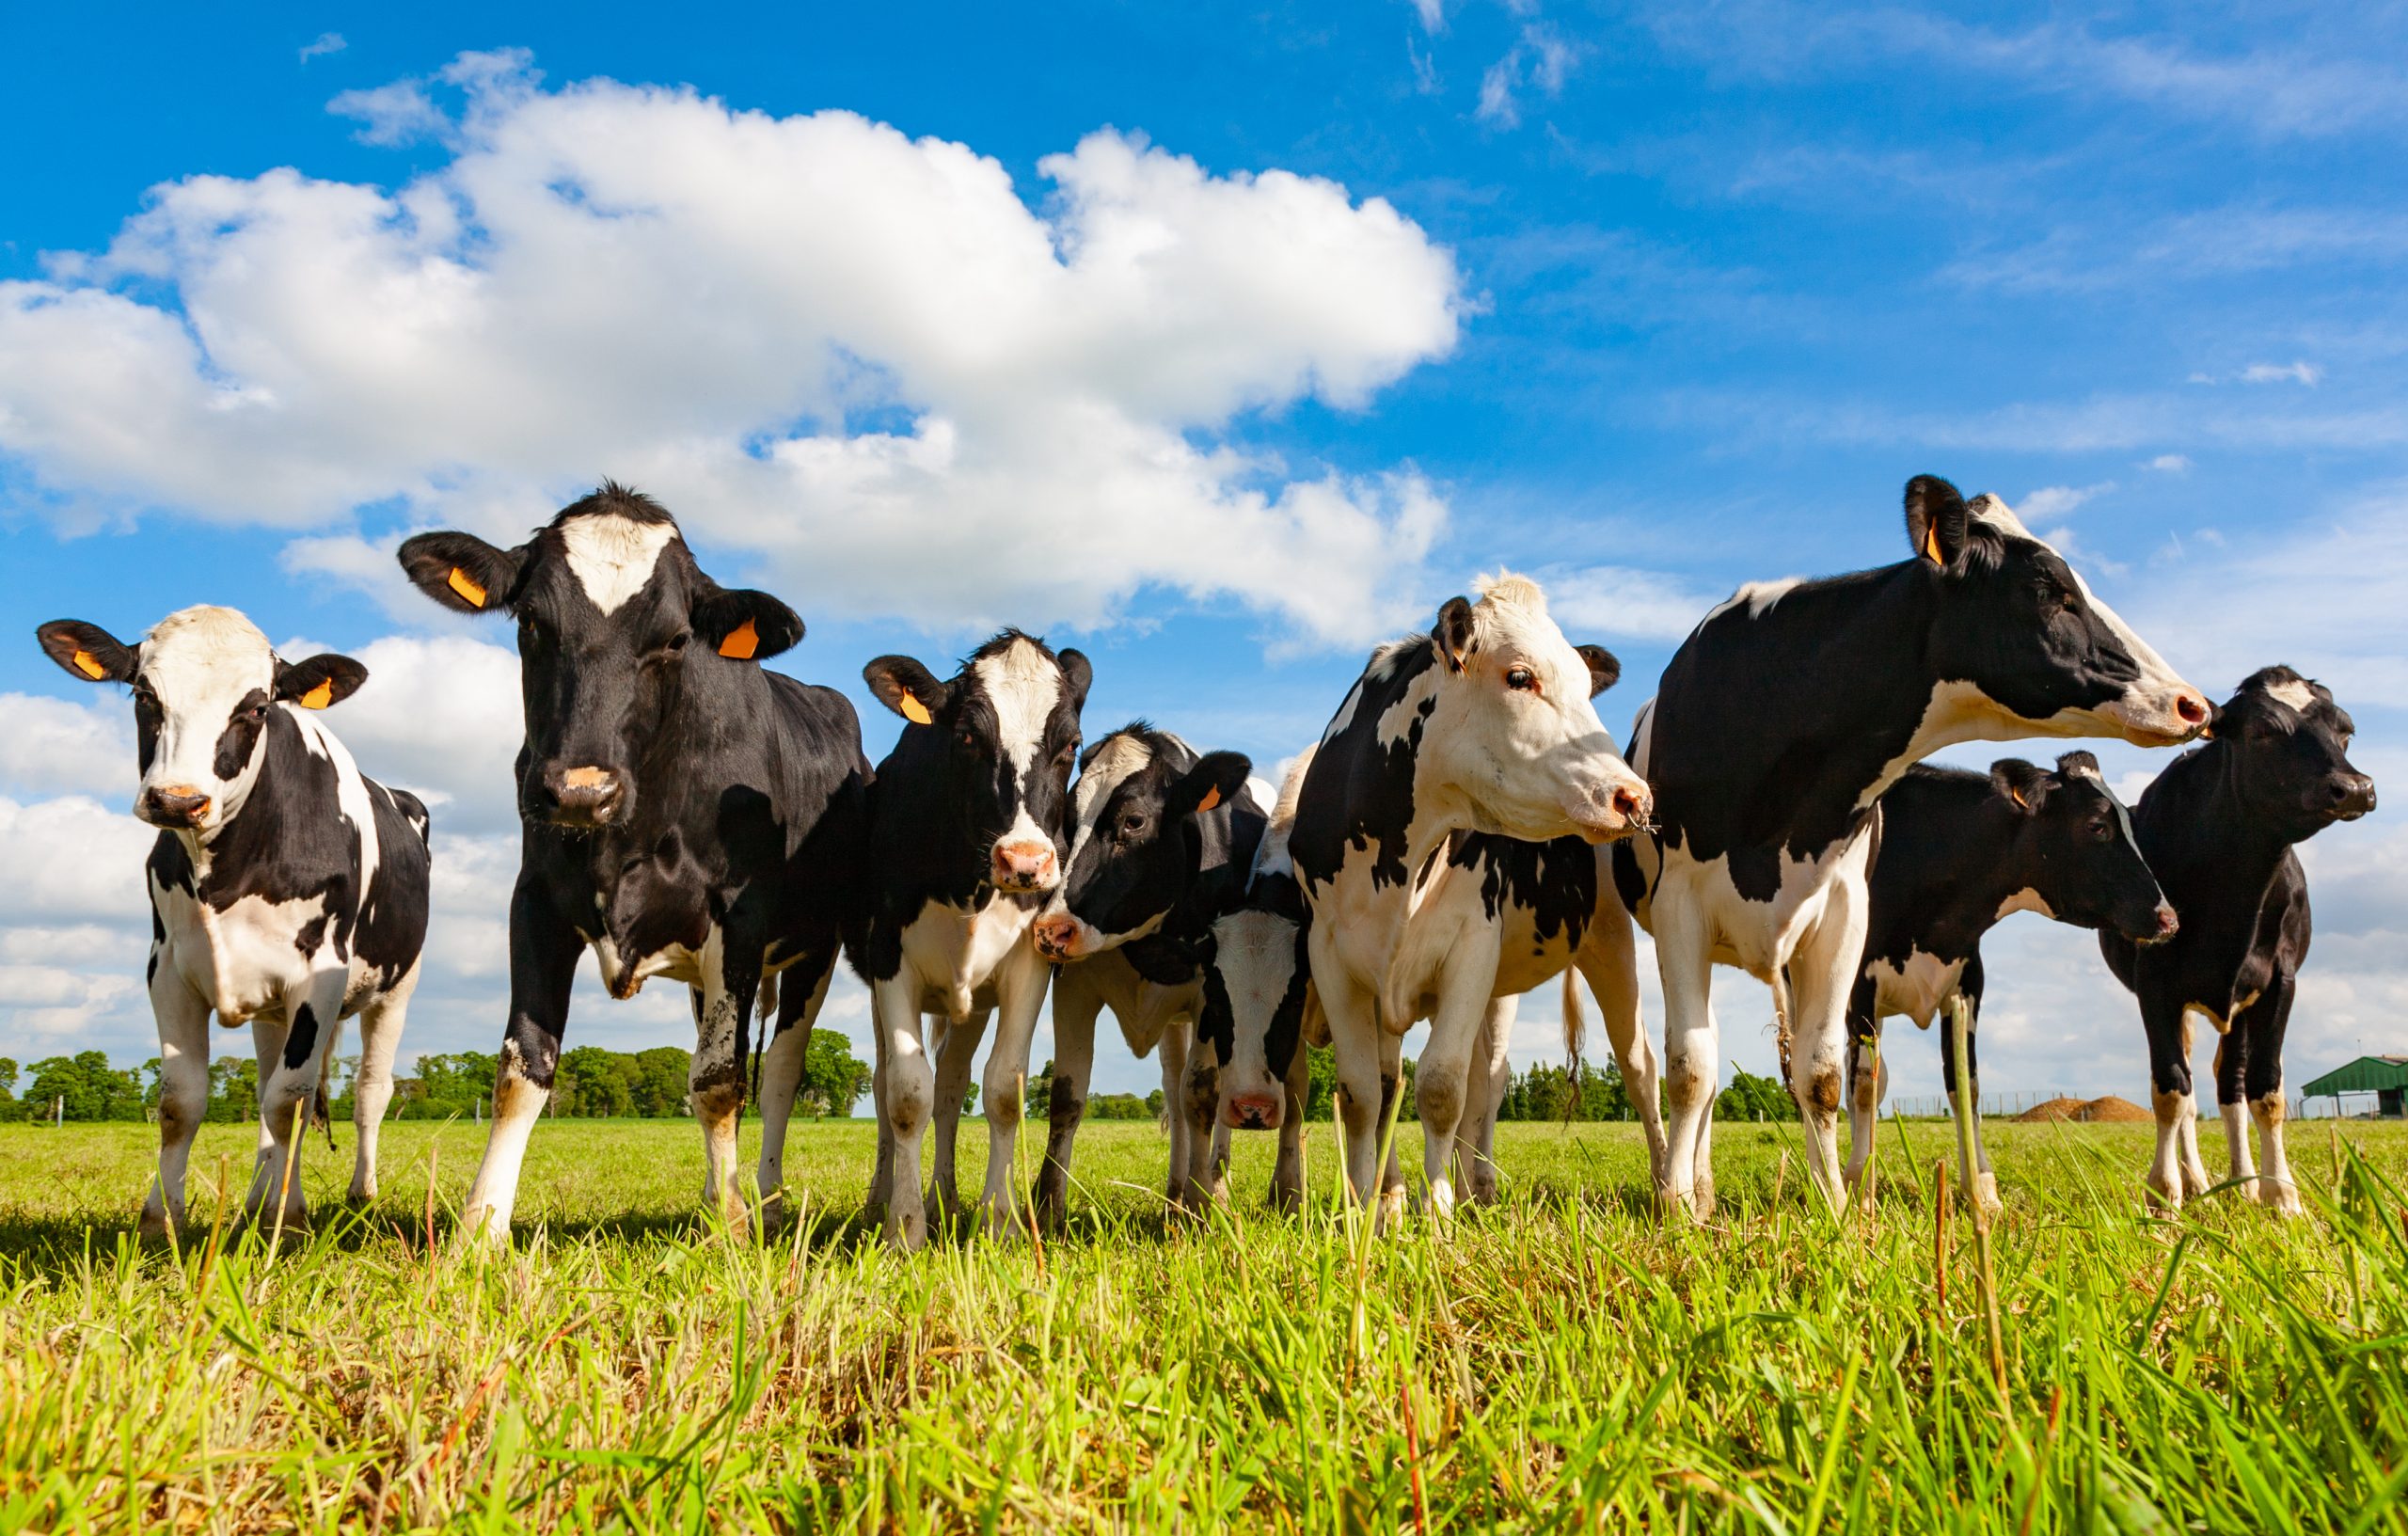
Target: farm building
[[2385, 1077]]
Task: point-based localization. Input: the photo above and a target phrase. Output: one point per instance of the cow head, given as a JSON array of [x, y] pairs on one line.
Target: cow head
[[2075, 851], [2020, 645], [1135, 843], [1513, 727], [1009, 724], [615, 621], [2288, 744], [1257, 994], [203, 681]]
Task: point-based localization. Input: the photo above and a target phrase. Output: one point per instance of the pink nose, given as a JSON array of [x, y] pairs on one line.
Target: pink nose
[[1023, 866], [1057, 935], [1253, 1112]]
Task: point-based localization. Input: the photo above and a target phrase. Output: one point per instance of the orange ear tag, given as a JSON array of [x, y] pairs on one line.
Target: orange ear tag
[[471, 593], [89, 668], [1931, 541], [741, 641], [1211, 797], [319, 697], [2018, 794], [917, 712]]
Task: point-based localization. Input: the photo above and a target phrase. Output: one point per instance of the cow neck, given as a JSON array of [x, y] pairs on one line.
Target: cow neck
[[1965, 843], [2211, 840], [946, 862], [252, 835]]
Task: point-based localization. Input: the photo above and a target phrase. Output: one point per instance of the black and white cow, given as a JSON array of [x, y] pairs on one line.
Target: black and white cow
[[2219, 827], [1782, 720], [1956, 853], [1160, 840], [683, 814], [1484, 724], [288, 890], [965, 846]]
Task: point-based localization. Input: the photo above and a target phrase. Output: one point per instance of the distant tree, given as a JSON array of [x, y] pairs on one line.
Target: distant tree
[[596, 1083], [660, 1086], [233, 1089], [833, 1074], [1154, 1104], [1321, 1099], [1753, 1097], [8, 1077], [86, 1087]]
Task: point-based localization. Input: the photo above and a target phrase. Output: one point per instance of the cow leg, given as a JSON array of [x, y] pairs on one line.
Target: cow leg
[[1964, 1079], [1288, 1176], [1188, 1187], [905, 1096], [1608, 962], [1354, 1037], [957, 1042], [1692, 1059], [730, 983], [881, 1168], [2169, 1073], [1020, 995], [801, 991], [285, 1097], [1864, 1076], [1442, 1078], [543, 963], [2266, 1022], [1820, 972], [372, 1091], [2232, 1099], [1076, 1002], [183, 1017], [268, 1049], [1476, 1134], [1193, 1103], [2194, 1168], [1391, 1084]]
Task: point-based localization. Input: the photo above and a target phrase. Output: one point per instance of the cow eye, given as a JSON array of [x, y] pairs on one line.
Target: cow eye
[[1522, 680], [257, 712], [2102, 831], [1133, 823], [2069, 599]]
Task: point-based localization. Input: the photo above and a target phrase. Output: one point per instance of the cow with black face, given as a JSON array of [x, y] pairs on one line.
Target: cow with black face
[[1960, 852], [965, 846], [1780, 721], [684, 813], [1161, 839], [2220, 827], [288, 890], [1485, 724]]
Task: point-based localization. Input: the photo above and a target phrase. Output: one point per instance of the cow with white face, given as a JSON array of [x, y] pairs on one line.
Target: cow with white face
[[965, 846], [1780, 723], [1959, 853], [288, 891], [1484, 724], [1161, 839], [685, 813]]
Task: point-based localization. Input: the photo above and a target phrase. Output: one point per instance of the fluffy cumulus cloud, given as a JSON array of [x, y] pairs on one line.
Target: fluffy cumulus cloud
[[862, 358]]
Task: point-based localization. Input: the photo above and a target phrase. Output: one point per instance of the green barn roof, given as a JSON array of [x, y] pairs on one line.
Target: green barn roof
[[2364, 1075]]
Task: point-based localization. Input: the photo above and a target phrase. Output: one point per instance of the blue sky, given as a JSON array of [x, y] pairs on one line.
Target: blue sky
[[1218, 344]]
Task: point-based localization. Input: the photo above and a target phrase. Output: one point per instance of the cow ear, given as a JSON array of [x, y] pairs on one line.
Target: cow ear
[[460, 571], [88, 651], [745, 624], [1452, 634], [2072, 763], [1605, 667], [319, 683], [1936, 519], [1077, 671], [2023, 785], [1217, 777], [907, 687]]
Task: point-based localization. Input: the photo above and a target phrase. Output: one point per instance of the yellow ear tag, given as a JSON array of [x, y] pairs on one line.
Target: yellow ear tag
[[1931, 542], [319, 697], [89, 668], [917, 712], [741, 641], [473, 594], [2018, 794], [1211, 797]]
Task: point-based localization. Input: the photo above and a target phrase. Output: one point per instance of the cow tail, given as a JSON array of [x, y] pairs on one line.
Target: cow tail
[[1576, 1023], [767, 1004], [1781, 1016]]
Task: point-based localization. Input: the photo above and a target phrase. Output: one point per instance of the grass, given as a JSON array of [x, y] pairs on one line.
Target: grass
[[1562, 1361]]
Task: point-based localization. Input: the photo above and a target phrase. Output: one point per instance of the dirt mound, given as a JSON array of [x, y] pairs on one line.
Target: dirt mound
[[2110, 1109]]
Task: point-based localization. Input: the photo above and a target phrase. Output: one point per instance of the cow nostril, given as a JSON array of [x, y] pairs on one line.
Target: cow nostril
[[2191, 708]]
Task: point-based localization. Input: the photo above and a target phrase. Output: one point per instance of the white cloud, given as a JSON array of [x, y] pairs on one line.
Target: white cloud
[[2169, 464], [1618, 600], [440, 717], [72, 860], [51, 744], [324, 43], [392, 114], [1432, 14], [1497, 104], [860, 357], [2301, 373], [1541, 58], [2054, 502]]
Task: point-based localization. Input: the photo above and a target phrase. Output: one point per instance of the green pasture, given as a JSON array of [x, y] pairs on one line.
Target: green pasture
[[1564, 1361]]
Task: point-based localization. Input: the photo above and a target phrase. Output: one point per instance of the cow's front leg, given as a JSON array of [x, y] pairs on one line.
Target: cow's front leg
[[802, 988], [2195, 1167], [543, 963], [1492, 1071], [1608, 962], [287, 1095], [1192, 1102], [1287, 1177], [371, 1090], [1963, 1081], [1076, 1002], [1020, 995], [1442, 1082], [957, 1048], [2169, 1073], [183, 1089], [1691, 1055], [1865, 1074], [1354, 1039], [906, 1095], [1820, 972], [731, 981], [2267, 1019]]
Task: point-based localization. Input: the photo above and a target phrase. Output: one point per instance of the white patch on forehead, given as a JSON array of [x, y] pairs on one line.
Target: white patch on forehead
[[612, 557], [2299, 695], [1121, 757], [2082, 770], [198, 652], [1023, 684], [1990, 509]]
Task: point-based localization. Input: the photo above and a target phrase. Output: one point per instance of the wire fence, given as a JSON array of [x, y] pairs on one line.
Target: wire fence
[[2004, 1105]]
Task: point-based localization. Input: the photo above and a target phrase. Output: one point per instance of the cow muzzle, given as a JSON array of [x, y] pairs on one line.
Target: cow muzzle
[[2163, 925], [1059, 936], [584, 796], [1253, 1112], [173, 806], [2351, 795], [1025, 866], [2163, 719], [1617, 812]]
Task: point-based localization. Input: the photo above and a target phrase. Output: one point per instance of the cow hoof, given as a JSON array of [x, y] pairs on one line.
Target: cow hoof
[[1441, 1203], [2166, 1198], [906, 1233], [1391, 1209], [2280, 1198], [1287, 1198]]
